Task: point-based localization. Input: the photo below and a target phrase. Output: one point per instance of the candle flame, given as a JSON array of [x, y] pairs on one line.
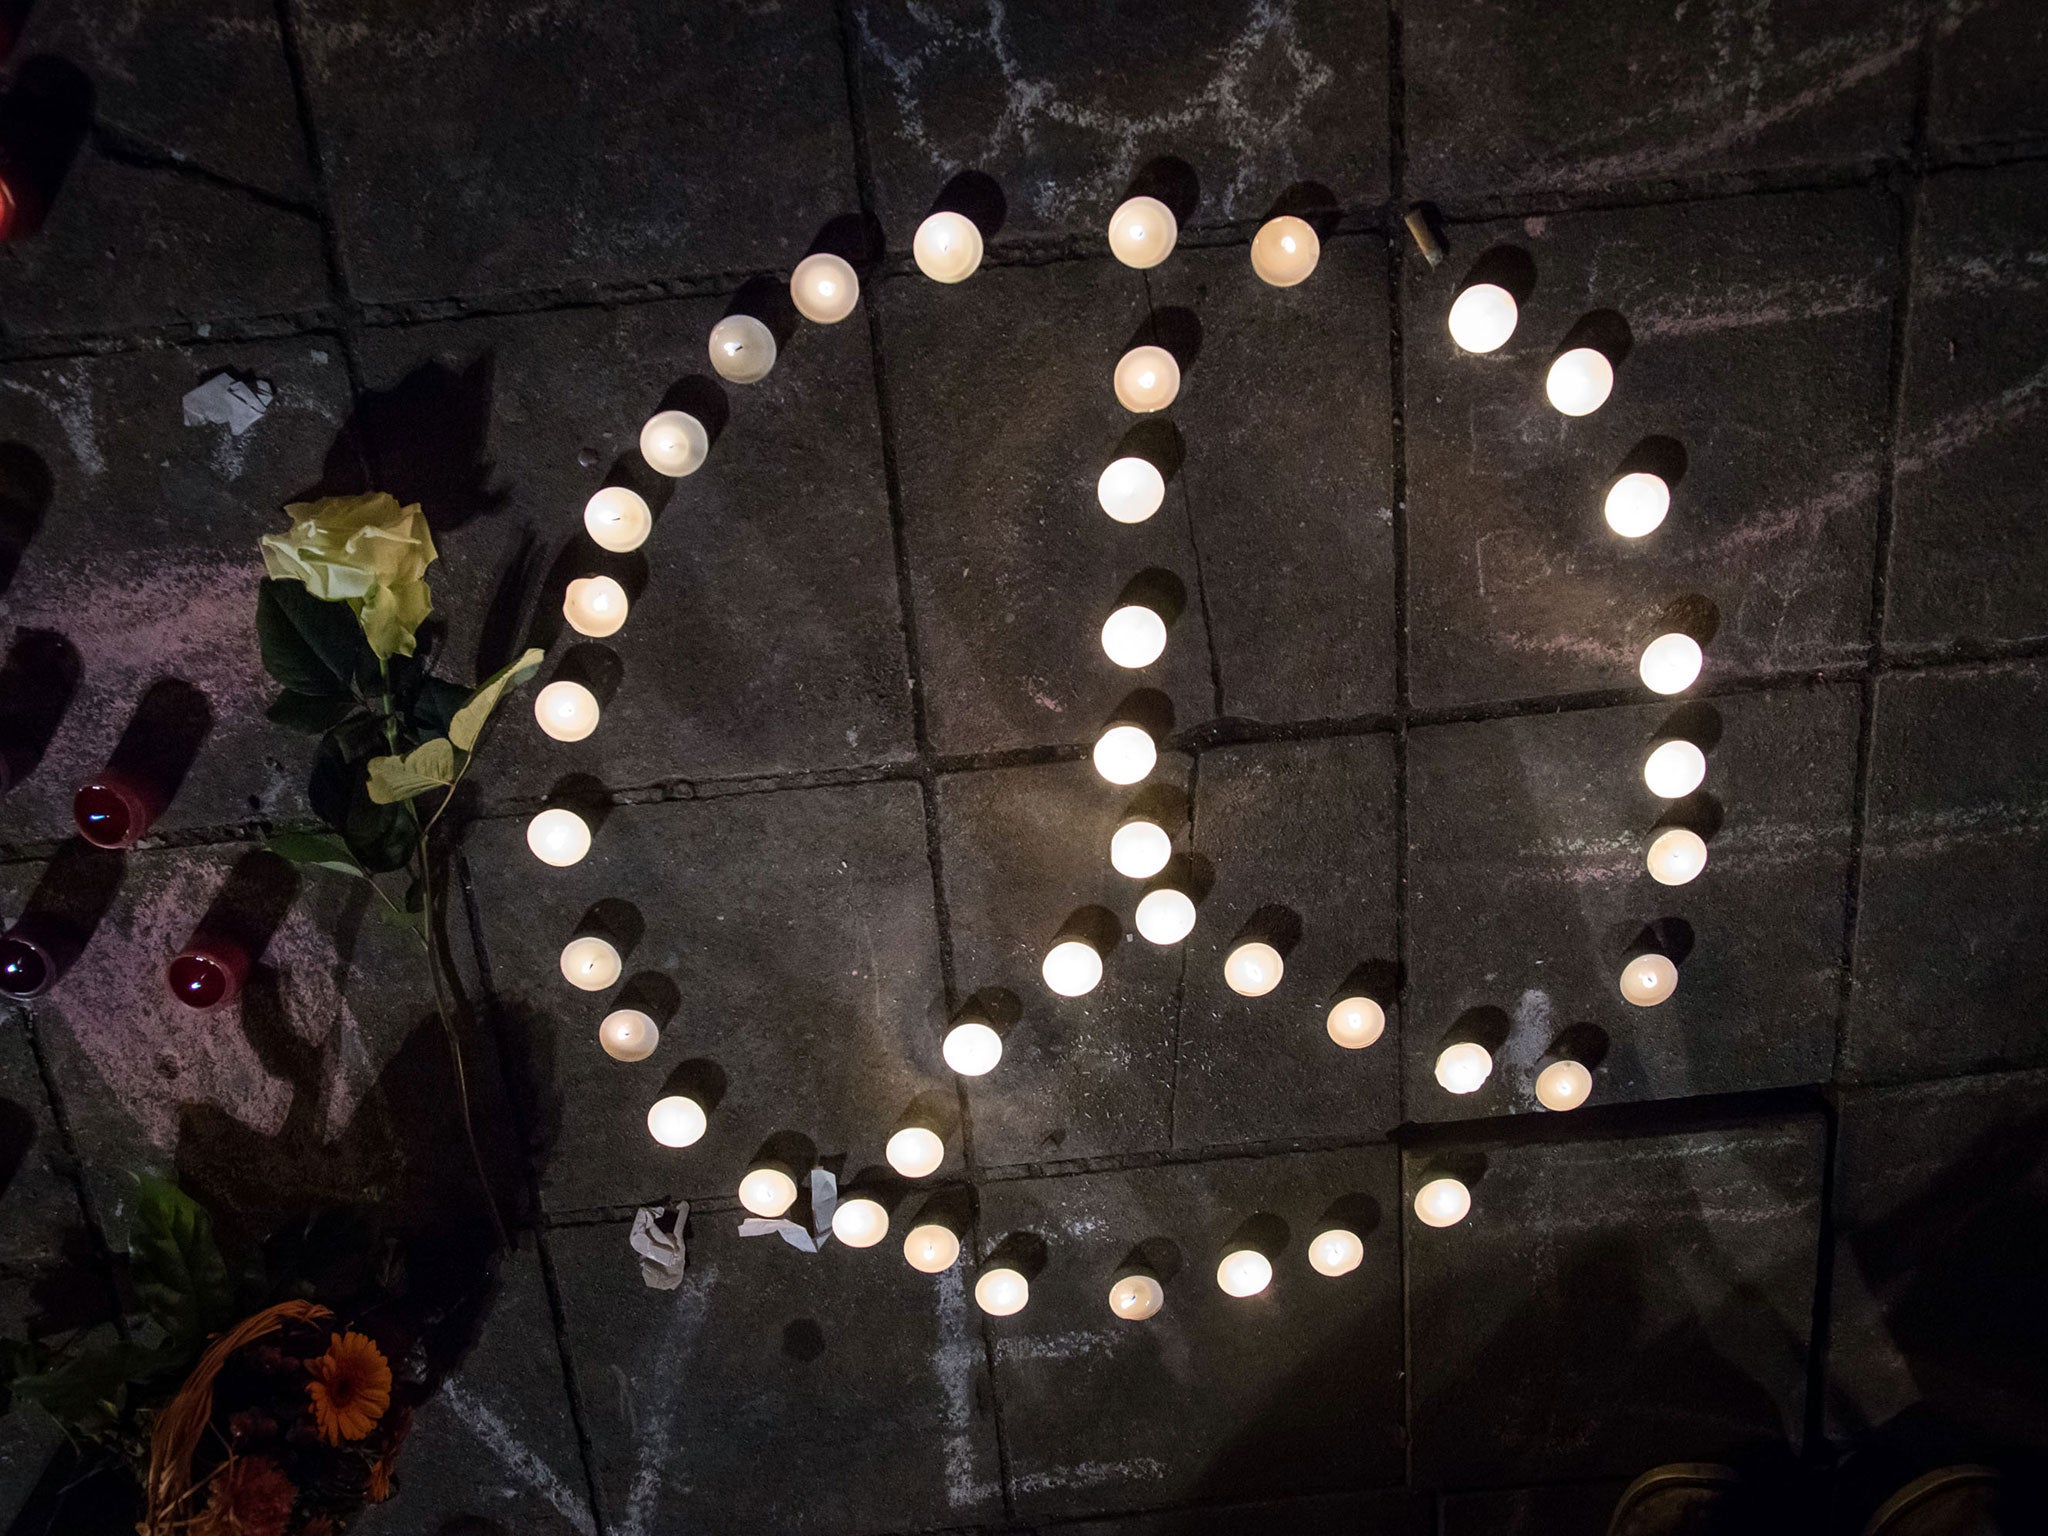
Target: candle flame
[[1287, 244]]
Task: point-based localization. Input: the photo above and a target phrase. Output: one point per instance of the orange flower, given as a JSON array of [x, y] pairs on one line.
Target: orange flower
[[249, 1497], [350, 1389], [380, 1480]]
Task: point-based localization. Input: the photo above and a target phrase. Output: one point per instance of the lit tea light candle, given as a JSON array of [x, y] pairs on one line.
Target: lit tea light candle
[[1648, 979], [1285, 250], [117, 809], [1001, 1292], [1142, 232], [1136, 1297], [915, 1152], [1072, 968], [1355, 1022], [1674, 768], [742, 349], [1244, 1272], [1146, 379], [824, 288], [972, 1048], [617, 519], [1335, 1252], [1483, 317], [947, 247], [1580, 381], [1165, 916], [209, 972], [1253, 969], [1671, 663], [1442, 1203], [860, 1222], [1636, 503], [627, 1034], [590, 963], [767, 1191], [1134, 636], [1124, 754], [1140, 848], [1462, 1068], [558, 837], [595, 606], [676, 1121], [674, 443], [1563, 1085], [931, 1248], [566, 711], [1676, 856], [1130, 489]]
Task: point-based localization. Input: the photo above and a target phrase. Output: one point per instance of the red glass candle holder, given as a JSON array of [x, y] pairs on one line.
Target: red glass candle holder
[[116, 809], [209, 972], [28, 966]]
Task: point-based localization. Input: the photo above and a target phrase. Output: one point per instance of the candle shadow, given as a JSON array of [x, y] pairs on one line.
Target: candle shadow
[[1379, 980], [792, 1149], [250, 905], [1697, 722], [979, 197], [1356, 1212], [1175, 328], [1095, 926], [497, 637], [1485, 1025], [933, 1110], [1671, 937], [615, 920], [1145, 707], [1465, 1165], [1160, 1257], [1192, 874], [426, 439], [951, 1208], [1507, 267], [1664, 457], [596, 666], [1274, 924], [70, 899], [997, 1007], [1026, 1252], [163, 738], [37, 683], [803, 1340], [880, 1183], [1263, 1231], [1311, 202], [701, 396], [26, 490], [766, 300], [855, 238], [1172, 181], [1162, 802], [1584, 1042], [1158, 442], [704, 1080], [586, 795], [653, 994], [1160, 590], [1605, 331], [632, 471], [1697, 812], [1692, 614], [46, 111]]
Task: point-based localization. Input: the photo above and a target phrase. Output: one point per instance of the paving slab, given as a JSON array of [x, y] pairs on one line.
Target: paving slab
[[1065, 105], [1508, 100], [1381, 1513], [1967, 565], [1609, 1306], [1308, 827], [1760, 346], [92, 623], [1950, 977], [1528, 892], [495, 1445], [1003, 417], [1574, 1510], [717, 141], [190, 199], [1941, 1188], [757, 1365], [1288, 478], [787, 950], [1024, 850], [1293, 1391], [765, 634], [326, 1082], [38, 1201], [1984, 87]]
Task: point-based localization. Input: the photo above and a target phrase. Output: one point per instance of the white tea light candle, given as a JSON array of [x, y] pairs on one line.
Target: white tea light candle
[[947, 247], [1483, 317], [1636, 503], [1001, 1292], [742, 349], [1140, 848], [1072, 968], [676, 1121], [1165, 916], [1462, 1068], [860, 1222], [1580, 381], [1674, 769], [1146, 379], [590, 963], [1355, 1022], [1253, 969], [1134, 636], [1244, 1272], [566, 711], [1130, 489], [595, 606], [1142, 232], [1442, 1203], [1136, 1297], [674, 443], [972, 1049], [617, 519], [558, 837], [931, 1248], [915, 1152], [823, 288], [1671, 663], [1335, 1252], [1124, 754], [1285, 250], [1563, 1085], [1676, 856], [630, 1035], [1648, 979], [767, 1191]]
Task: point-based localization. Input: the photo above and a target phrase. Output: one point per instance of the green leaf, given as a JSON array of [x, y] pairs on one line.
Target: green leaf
[[308, 646], [393, 917], [316, 850], [88, 1392], [314, 714], [180, 1278], [469, 720], [430, 766]]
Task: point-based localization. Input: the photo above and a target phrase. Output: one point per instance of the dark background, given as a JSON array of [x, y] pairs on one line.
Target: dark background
[[473, 245]]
